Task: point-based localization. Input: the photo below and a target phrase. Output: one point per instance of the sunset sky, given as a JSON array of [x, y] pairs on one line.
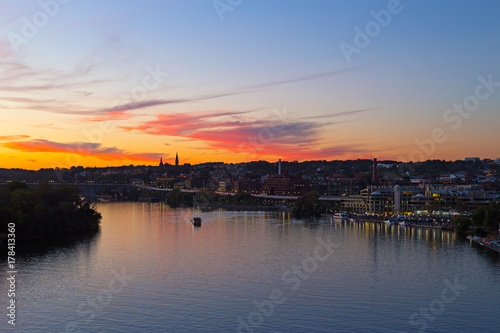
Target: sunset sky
[[110, 83]]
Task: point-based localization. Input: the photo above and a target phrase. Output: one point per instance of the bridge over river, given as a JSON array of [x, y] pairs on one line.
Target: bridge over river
[[91, 190]]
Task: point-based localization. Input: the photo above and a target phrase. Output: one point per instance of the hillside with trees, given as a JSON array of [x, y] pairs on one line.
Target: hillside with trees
[[45, 211]]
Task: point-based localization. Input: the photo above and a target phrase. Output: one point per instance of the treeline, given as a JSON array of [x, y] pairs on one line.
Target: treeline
[[45, 211], [484, 221], [176, 198], [309, 206]]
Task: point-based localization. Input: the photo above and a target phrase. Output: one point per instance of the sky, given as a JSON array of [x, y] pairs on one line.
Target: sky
[[111, 83]]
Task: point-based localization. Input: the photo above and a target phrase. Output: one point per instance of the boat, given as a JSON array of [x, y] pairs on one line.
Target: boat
[[196, 221], [390, 221], [352, 220], [404, 223], [340, 216]]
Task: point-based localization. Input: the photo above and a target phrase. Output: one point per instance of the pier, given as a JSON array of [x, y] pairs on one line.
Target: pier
[[487, 243]]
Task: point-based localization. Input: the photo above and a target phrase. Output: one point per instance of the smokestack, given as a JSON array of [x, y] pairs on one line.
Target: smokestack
[[397, 200], [279, 167], [374, 175]]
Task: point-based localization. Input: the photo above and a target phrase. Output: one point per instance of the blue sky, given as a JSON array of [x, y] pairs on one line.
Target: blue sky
[[263, 55]]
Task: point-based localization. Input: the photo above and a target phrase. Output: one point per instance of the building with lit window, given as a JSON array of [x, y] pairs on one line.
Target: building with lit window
[[428, 199], [283, 185]]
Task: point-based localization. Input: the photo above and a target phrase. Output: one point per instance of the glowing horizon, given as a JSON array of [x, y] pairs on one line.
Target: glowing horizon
[[111, 84]]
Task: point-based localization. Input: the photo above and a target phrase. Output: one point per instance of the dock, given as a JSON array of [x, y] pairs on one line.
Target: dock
[[483, 242]]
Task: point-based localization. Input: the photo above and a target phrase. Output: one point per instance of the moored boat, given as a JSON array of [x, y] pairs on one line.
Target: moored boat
[[390, 221], [340, 216]]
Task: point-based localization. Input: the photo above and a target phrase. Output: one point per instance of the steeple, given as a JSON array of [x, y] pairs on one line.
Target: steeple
[[161, 161], [176, 159]]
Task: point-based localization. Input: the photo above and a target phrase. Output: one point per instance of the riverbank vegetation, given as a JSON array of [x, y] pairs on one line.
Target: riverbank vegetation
[[45, 211], [484, 221], [309, 206], [176, 198]]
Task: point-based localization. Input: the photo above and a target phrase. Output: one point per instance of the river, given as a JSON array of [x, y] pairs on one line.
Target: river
[[150, 270]]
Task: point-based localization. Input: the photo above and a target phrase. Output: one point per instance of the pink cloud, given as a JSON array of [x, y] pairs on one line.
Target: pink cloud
[[237, 133], [80, 148]]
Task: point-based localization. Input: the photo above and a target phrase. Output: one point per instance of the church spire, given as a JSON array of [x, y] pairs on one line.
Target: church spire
[[161, 161], [176, 159]]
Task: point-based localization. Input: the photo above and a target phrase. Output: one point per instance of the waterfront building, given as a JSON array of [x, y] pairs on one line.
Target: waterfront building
[[339, 186], [428, 199], [247, 185], [381, 200], [284, 185]]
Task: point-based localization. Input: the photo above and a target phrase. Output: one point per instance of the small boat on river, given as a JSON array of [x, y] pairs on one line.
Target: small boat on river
[[196, 221]]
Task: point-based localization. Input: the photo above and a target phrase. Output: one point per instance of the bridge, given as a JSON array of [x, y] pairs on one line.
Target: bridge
[[91, 190], [264, 196]]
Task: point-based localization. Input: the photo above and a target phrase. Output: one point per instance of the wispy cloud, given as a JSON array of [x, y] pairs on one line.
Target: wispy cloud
[[238, 91], [13, 137], [48, 125], [236, 132], [118, 115], [46, 80], [341, 114], [85, 149]]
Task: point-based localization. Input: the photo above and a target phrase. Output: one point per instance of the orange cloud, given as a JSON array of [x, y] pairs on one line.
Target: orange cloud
[[233, 131], [79, 148], [116, 115], [13, 137]]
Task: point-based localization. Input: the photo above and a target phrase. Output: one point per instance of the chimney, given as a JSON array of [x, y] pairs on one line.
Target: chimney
[[279, 167], [374, 174]]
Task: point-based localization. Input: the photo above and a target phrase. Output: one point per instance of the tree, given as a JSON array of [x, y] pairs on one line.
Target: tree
[[462, 224], [45, 212], [176, 198], [308, 206], [487, 217], [14, 186]]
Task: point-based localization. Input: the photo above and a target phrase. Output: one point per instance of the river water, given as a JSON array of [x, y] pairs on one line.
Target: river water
[[150, 270]]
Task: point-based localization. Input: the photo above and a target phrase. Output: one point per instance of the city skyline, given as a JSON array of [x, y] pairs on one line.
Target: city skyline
[[111, 84]]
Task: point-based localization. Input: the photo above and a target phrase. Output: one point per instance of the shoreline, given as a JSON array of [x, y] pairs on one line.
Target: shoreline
[[243, 207], [482, 242]]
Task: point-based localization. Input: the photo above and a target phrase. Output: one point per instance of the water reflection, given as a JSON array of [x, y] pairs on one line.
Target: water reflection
[[77, 243], [379, 273]]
